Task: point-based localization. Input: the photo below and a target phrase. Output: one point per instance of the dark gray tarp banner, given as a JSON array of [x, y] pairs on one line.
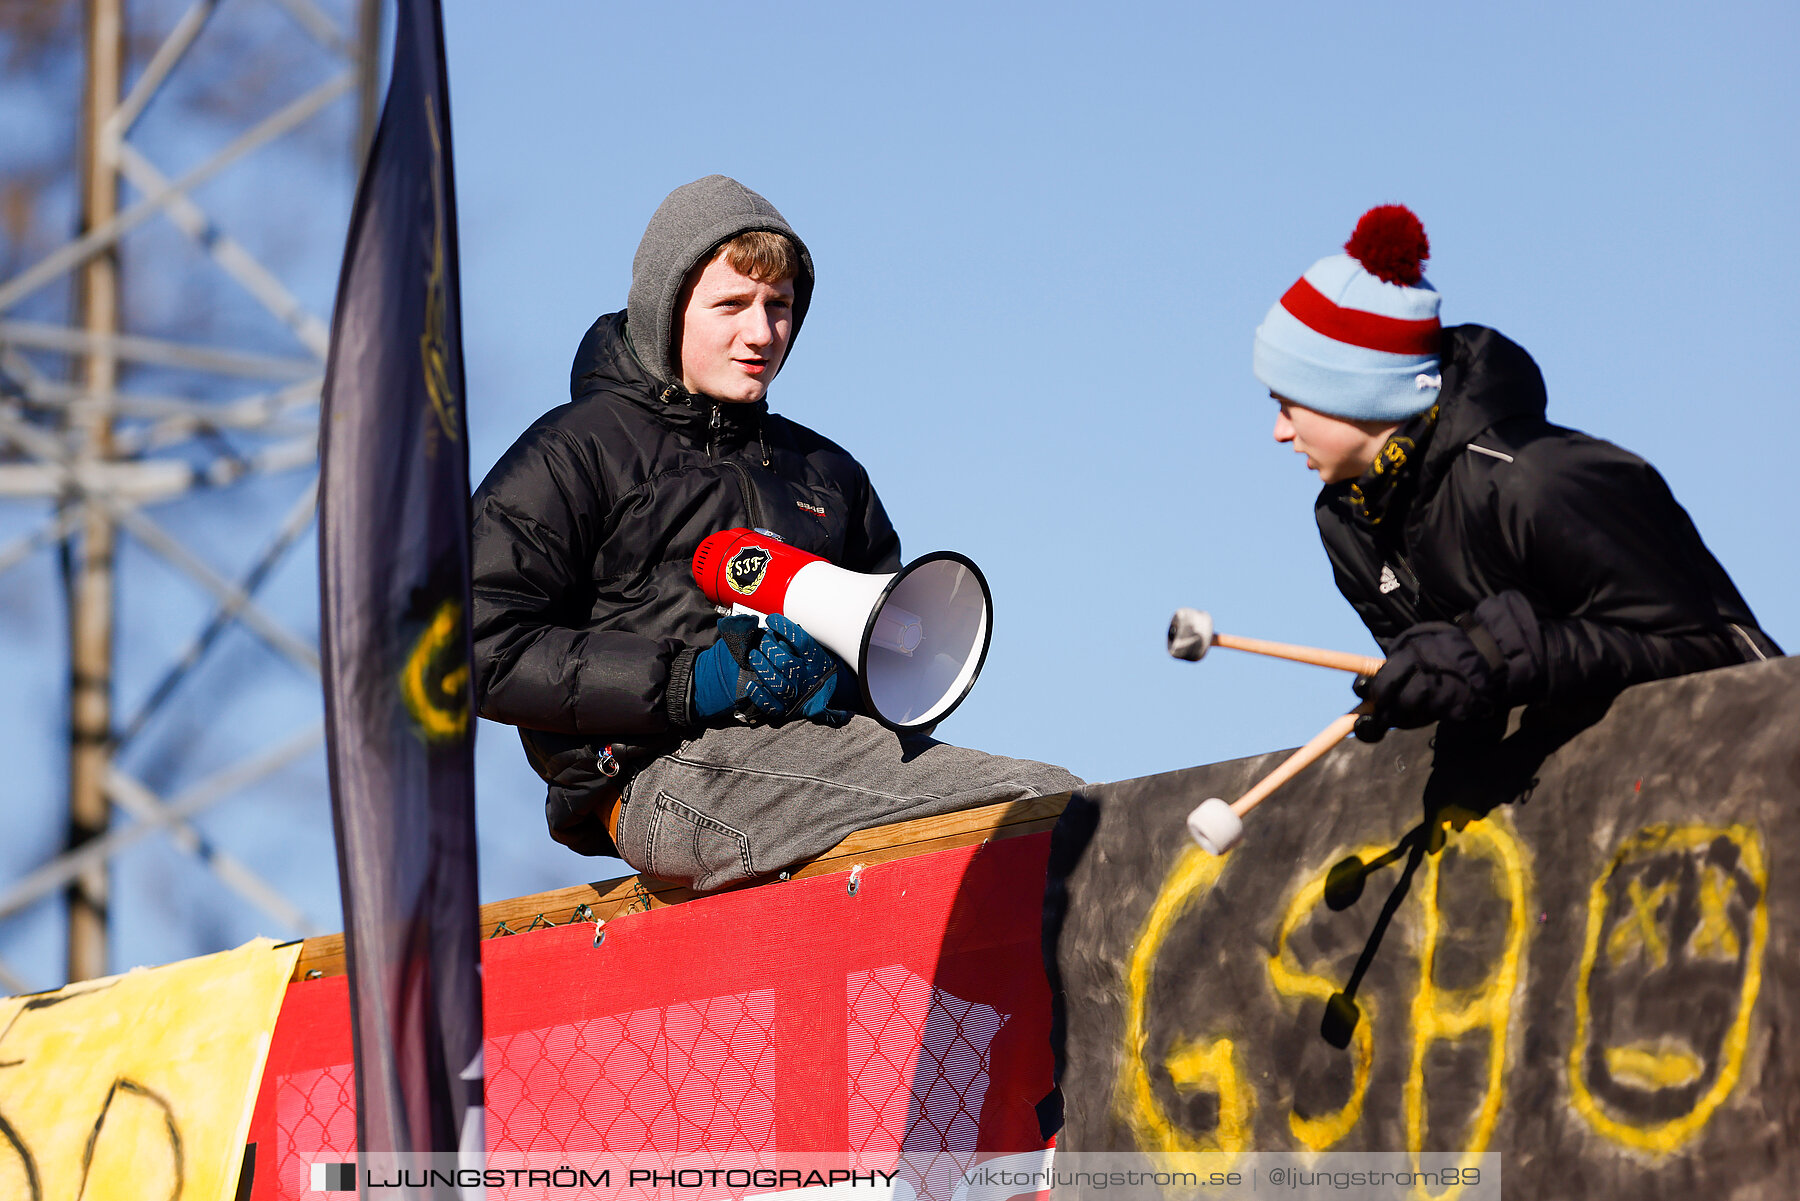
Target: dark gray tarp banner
[[394, 569], [1575, 946]]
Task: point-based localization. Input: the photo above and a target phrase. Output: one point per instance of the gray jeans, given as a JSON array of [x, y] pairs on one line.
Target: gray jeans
[[743, 801]]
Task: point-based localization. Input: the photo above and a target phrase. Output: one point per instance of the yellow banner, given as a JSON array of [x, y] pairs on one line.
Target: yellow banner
[[138, 1085]]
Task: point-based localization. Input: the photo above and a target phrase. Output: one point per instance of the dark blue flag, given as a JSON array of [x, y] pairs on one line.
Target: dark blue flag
[[394, 582]]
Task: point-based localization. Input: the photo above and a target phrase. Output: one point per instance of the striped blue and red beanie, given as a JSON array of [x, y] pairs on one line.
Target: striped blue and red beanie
[[1357, 336]]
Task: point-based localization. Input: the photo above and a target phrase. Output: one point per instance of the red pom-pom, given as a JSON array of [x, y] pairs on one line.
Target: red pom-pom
[[1390, 243]]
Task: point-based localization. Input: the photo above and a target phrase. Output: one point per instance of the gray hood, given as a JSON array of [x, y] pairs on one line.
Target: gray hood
[[691, 222]]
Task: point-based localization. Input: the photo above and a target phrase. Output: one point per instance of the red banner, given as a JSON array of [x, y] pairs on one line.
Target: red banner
[[901, 1007]]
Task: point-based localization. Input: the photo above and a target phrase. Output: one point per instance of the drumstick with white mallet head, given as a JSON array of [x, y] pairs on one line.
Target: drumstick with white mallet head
[[1191, 635], [1218, 827]]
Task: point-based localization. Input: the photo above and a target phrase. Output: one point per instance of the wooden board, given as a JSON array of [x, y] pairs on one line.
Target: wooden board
[[608, 900]]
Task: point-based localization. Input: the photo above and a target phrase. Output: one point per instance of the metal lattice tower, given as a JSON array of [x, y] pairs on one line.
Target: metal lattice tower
[[100, 453]]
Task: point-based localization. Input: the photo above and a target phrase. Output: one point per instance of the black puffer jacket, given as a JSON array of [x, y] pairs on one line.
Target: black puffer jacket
[[585, 533], [1494, 498]]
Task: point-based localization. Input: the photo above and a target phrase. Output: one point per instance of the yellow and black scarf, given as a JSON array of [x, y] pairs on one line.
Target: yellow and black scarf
[[1388, 485]]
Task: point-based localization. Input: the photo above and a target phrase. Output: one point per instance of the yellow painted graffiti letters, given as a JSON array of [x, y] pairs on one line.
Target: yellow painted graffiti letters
[[1642, 928], [1651, 1066], [1190, 1066], [1694, 897], [1214, 1068], [1714, 937], [1443, 1014], [1317, 1132], [1676, 919]]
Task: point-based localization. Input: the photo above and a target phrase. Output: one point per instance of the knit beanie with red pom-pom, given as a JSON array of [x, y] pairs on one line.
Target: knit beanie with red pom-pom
[[1358, 335]]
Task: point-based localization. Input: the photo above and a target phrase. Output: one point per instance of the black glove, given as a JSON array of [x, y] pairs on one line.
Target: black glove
[[1438, 671]]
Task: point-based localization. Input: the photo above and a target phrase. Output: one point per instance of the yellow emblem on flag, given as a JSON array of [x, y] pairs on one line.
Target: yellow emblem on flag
[[434, 683]]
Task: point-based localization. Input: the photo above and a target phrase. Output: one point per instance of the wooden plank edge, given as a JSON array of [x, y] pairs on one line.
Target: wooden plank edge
[[606, 900]]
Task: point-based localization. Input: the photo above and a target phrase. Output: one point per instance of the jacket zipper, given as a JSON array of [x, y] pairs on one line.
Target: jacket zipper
[[1408, 579], [1394, 560], [745, 490], [749, 494]]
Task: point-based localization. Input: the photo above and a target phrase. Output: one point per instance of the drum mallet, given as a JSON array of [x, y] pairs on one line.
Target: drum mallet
[[1191, 635], [1218, 827]]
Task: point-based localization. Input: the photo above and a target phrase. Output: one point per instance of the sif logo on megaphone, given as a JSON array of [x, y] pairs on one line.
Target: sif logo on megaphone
[[745, 569], [916, 638]]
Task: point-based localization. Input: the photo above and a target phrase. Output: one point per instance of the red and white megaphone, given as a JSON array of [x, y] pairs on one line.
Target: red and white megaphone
[[916, 638]]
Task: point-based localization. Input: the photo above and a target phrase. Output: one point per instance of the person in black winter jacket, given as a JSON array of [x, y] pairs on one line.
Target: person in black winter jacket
[[703, 749], [1498, 559]]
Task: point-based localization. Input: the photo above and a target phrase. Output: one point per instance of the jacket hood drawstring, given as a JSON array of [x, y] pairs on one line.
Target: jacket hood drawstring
[[607, 360]]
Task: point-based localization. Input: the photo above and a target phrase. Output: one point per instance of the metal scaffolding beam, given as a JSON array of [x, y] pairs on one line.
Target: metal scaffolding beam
[[90, 427], [98, 450]]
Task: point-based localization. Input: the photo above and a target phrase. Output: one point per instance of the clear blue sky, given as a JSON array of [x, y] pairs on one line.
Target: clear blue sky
[[1044, 234]]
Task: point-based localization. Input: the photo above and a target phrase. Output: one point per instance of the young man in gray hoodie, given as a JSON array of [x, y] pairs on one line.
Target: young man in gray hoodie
[[702, 750]]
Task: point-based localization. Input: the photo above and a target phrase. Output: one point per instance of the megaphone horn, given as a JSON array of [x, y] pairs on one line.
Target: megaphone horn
[[916, 638]]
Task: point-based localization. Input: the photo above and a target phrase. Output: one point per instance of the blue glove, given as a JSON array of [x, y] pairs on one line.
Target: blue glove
[[795, 676], [766, 675], [722, 671]]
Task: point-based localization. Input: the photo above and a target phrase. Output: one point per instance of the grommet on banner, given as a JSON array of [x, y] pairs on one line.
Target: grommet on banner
[[855, 879], [599, 931]]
